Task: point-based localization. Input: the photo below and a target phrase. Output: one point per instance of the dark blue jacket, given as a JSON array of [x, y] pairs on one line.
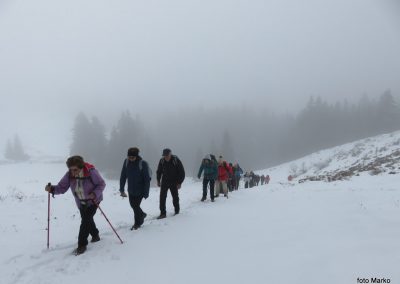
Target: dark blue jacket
[[138, 180]]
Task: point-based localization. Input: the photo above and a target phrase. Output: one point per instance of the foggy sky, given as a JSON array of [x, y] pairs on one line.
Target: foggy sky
[[60, 57]]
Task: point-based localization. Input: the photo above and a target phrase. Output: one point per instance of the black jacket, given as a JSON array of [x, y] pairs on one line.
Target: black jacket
[[138, 180], [171, 172]]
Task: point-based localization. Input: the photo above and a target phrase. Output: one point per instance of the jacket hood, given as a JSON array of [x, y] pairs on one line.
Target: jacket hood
[[86, 169]]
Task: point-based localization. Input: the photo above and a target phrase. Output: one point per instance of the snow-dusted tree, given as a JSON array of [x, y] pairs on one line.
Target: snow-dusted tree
[[15, 151], [197, 162], [81, 143], [227, 147], [98, 142], [89, 140], [9, 150], [388, 114], [126, 134]]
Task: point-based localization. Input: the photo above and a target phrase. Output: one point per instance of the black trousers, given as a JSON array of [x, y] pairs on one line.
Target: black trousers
[[135, 202], [88, 227], [205, 185], [230, 185], [237, 182], [163, 197]]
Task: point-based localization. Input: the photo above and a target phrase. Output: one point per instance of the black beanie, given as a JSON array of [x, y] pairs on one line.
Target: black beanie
[[166, 152], [133, 152]]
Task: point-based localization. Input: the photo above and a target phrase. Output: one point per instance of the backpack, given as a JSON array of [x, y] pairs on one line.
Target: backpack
[[227, 169], [174, 161], [213, 158], [150, 172]]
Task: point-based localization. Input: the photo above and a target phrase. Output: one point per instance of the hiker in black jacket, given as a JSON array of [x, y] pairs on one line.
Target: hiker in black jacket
[[170, 176]]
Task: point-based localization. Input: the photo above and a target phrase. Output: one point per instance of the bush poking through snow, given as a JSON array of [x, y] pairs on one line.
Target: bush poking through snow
[[14, 194]]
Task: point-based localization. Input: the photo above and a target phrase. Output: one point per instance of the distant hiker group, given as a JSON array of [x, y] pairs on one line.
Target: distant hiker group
[[87, 186], [251, 179], [219, 176]]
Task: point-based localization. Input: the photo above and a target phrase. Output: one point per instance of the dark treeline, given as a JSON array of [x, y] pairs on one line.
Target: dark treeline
[[108, 152], [254, 138]]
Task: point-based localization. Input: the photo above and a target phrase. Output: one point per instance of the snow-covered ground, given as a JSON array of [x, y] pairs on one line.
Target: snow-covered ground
[[313, 232]]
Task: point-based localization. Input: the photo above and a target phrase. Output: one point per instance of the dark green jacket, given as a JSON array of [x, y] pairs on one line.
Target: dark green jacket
[[210, 170]]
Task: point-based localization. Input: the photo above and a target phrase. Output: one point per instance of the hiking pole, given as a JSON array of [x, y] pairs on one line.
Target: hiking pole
[[48, 217], [98, 206]]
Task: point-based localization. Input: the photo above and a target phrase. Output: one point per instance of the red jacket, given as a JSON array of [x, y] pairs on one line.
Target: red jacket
[[86, 170], [224, 172]]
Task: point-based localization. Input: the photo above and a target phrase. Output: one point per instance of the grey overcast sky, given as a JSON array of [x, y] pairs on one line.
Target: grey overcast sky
[[59, 57]]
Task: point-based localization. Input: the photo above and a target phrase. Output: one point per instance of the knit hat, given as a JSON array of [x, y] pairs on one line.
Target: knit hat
[[75, 161], [133, 152], [166, 152], [207, 157]]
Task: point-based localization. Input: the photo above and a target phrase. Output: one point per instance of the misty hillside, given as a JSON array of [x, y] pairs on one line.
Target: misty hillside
[[378, 155]]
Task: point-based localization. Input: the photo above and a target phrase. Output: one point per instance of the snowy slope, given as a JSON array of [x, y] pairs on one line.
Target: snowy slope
[[375, 155], [314, 232]]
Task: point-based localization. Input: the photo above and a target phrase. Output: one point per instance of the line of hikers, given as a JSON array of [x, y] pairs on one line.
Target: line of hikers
[[251, 179], [87, 186], [219, 176]]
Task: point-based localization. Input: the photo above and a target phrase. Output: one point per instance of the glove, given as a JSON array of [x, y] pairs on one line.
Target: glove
[[158, 184], [123, 194], [198, 177], [179, 186], [92, 196], [146, 196], [49, 188]]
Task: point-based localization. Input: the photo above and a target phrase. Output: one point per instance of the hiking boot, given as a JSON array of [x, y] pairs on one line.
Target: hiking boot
[[162, 216], [203, 199], [95, 239], [141, 221], [212, 200], [135, 227], [80, 250], [176, 212]]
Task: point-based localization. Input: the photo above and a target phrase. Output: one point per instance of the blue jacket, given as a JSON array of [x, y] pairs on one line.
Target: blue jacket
[[238, 171], [138, 180]]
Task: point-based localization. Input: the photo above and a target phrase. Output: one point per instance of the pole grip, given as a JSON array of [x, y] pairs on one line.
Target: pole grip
[[52, 194]]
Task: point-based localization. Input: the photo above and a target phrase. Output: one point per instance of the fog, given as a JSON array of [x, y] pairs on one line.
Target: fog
[[160, 59]]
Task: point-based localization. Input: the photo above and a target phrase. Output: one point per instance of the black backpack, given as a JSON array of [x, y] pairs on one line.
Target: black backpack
[[150, 172], [174, 161]]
